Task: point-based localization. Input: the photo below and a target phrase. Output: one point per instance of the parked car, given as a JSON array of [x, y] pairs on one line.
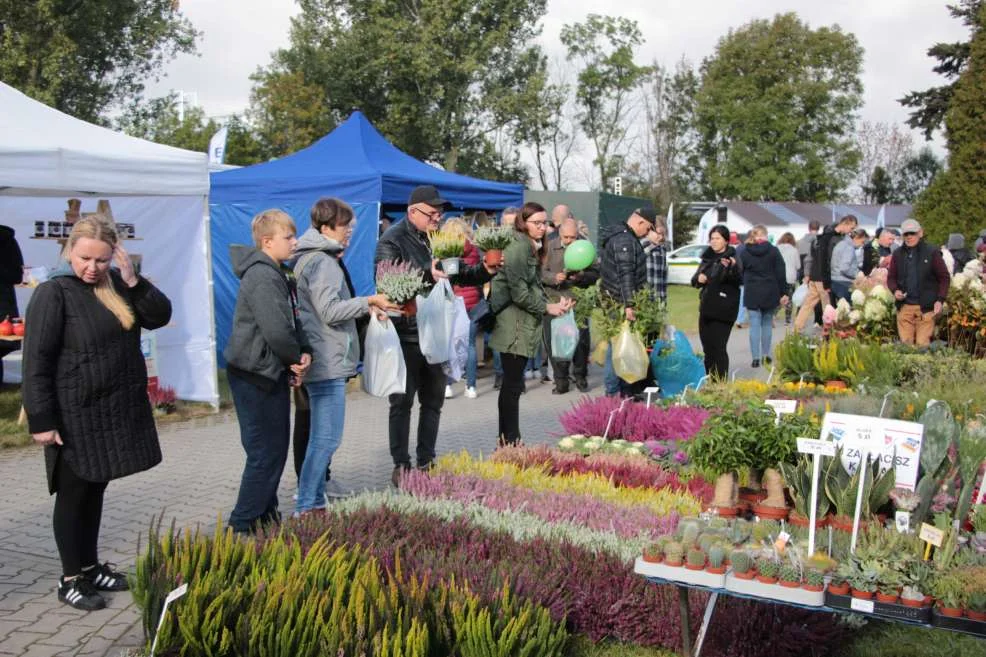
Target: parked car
[[683, 263]]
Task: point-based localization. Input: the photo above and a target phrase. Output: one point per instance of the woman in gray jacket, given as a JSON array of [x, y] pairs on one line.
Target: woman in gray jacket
[[846, 262], [329, 309]]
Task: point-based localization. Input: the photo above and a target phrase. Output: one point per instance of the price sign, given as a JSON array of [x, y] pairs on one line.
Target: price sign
[[894, 442], [865, 606], [814, 446], [782, 406], [932, 535]]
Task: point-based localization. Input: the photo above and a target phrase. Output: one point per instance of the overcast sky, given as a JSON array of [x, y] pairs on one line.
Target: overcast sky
[[239, 35]]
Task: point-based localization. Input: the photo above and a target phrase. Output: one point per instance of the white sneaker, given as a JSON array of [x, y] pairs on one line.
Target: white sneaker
[[334, 489], [471, 392], [448, 392]]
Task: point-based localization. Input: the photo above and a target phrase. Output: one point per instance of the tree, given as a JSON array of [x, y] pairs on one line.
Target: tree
[[915, 176], [956, 199], [883, 145], [880, 188], [931, 105], [288, 113], [425, 72], [606, 84], [83, 56], [775, 112]]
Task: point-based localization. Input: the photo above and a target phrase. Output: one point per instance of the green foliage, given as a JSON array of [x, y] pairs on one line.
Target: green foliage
[[83, 57], [794, 358], [880, 188], [512, 628], [956, 199], [674, 552], [774, 110], [651, 316], [288, 112], [789, 573], [797, 476], [768, 566], [741, 561], [607, 81], [814, 577], [940, 433], [892, 639]]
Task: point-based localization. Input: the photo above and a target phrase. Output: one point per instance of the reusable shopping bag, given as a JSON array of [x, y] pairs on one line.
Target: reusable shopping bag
[[675, 365], [458, 349], [799, 296], [384, 371], [435, 314], [629, 355], [564, 336]]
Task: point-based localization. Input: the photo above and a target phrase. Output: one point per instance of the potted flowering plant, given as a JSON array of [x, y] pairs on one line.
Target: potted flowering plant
[[448, 247], [401, 282], [872, 310], [492, 240], [966, 310]]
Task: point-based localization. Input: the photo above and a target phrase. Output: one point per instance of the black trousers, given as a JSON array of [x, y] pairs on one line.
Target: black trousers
[[714, 335], [508, 403], [428, 383], [76, 520], [578, 367]]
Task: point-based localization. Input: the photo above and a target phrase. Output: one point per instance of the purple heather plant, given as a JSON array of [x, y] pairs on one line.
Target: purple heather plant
[[637, 422]]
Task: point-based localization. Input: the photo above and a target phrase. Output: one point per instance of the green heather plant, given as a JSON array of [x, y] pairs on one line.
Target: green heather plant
[[768, 566], [794, 358], [814, 577], [493, 238], [447, 244], [949, 589]]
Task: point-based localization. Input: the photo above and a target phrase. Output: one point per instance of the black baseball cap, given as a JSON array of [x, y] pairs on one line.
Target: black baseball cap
[[649, 213], [427, 194]]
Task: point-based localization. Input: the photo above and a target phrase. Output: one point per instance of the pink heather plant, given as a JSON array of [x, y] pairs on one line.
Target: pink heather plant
[[637, 422]]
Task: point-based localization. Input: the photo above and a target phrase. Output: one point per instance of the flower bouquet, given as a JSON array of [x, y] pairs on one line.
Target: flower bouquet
[[401, 282], [966, 305], [872, 313], [492, 240], [448, 247]]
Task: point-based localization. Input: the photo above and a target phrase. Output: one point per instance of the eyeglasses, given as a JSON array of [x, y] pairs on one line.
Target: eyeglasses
[[434, 216], [910, 234], [539, 224]]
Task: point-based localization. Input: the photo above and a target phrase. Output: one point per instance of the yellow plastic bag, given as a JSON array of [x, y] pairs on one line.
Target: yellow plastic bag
[[599, 353], [629, 355]]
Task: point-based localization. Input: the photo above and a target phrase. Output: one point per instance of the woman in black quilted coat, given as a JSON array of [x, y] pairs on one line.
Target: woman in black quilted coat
[[85, 394]]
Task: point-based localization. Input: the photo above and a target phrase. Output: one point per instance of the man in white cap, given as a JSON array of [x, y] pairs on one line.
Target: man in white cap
[[919, 279]]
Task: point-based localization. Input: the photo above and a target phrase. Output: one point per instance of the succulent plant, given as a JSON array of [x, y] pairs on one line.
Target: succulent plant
[[696, 558], [789, 573], [814, 577], [717, 555], [719, 522], [689, 534], [739, 533], [705, 541], [911, 593], [768, 567], [741, 561], [674, 552]]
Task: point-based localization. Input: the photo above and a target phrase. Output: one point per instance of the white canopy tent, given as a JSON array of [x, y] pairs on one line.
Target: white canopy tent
[[47, 158]]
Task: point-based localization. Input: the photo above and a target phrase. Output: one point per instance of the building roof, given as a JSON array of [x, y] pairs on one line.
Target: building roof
[[782, 214]]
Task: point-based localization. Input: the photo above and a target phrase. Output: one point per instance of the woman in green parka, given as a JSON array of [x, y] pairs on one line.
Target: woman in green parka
[[518, 297]]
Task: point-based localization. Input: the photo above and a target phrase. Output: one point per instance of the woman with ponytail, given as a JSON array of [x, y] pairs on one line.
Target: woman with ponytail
[[85, 394]]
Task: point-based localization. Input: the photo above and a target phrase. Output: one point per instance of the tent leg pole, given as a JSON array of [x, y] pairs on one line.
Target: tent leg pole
[[709, 608], [686, 631]]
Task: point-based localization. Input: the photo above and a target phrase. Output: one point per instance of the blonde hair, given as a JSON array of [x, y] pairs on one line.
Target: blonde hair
[[758, 232], [267, 222], [458, 226], [99, 227]]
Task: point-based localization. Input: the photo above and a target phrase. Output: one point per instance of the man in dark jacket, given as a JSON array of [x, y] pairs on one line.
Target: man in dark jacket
[[11, 273], [919, 279], [407, 242], [960, 254], [820, 275], [623, 271], [556, 280]]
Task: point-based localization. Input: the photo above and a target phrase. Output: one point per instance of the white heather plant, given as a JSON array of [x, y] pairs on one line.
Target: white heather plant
[[493, 238], [399, 281]]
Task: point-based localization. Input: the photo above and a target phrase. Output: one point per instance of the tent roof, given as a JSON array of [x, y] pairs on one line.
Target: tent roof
[[356, 163], [45, 152]]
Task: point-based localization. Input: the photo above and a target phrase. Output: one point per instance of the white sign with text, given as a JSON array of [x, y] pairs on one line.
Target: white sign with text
[[894, 442]]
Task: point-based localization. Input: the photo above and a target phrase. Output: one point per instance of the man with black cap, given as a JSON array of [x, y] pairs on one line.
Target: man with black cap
[[407, 241], [623, 271], [919, 280]]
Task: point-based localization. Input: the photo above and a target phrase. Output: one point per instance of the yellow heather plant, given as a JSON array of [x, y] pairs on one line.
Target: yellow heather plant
[[661, 502]]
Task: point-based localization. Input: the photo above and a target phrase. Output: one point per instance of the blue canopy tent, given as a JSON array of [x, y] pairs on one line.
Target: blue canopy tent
[[355, 163]]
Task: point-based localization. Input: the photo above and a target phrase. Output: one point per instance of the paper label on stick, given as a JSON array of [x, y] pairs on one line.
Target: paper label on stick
[[930, 534], [177, 593], [782, 406], [814, 446], [902, 520], [865, 606], [781, 542]]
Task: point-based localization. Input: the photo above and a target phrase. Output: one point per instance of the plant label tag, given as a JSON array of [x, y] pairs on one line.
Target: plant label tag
[[782, 406], [174, 595], [177, 593], [865, 606], [930, 534], [815, 446], [902, 519], [781, 542]]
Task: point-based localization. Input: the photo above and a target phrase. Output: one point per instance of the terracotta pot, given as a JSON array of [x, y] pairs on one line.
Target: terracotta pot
[[755, 496], [716, 571], [837, 383], [410, 308], [861, 595], [928, 601], [725, 511], [799, 520], [766, 580], [652, 559], [691, 567], [750, 574], [842, 524], [814, 589], [976, 615], [493, 258], [839, 589], [911, 603], [789, 585], [676, 564], [770, 512], [883, 597], [951, 612]]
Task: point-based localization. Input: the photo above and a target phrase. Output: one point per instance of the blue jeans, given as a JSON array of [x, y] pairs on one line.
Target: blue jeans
[[610, 380], [328, 407], [497, 364], [841, 290], [761, 332], [265, 432], [741, 317]]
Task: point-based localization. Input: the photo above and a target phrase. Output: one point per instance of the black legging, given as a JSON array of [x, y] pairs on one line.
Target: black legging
[[508, 402], [78, 513], [714, 335]]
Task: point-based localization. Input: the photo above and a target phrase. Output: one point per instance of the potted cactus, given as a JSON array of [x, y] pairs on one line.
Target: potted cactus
[[814, 580], [949, 589], [653, 553], [742, 564], [695, 559], [401, 282], [717, 560], [767, 569], [492, 240], [689, 534], [674, 553], [789, 576], [911, 596], [862, 582], [839, 584], [448, 246]]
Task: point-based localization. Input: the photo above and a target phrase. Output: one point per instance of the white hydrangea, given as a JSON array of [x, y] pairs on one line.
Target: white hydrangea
[[973, 268], [855, 316], [858, 297], [976, 284], [842, 309], [874, 310], [959, 281], [979, 303], [566, 443], [882, 293]]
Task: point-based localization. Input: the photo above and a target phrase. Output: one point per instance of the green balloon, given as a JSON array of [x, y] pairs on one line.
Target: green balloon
[[579, 255]]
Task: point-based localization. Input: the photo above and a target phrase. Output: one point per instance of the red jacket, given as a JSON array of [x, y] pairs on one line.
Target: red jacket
[[470, 294]]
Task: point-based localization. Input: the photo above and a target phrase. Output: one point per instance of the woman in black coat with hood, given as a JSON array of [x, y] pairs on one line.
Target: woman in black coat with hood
[[766, 284], [11, 273], [718, 278]]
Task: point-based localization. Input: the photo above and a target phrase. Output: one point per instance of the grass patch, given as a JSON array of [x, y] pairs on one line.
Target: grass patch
[[883, 639], [583, 647], [683, 307]]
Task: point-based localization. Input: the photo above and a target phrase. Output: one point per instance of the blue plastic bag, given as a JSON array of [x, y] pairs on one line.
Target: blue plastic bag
[[564, 336], [675, 365]]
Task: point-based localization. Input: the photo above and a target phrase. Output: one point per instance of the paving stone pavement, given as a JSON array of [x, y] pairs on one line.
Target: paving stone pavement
[[196, 485]]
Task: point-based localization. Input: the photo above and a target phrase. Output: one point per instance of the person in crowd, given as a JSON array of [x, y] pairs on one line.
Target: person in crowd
[[741, 316], [508, 215], [267, 353], [520, 301], [386, 221], [877, 252], [11, 273], [408, 242], [623, 271], [820, 274], [559, 213], [471, 295], [919, 280], [85, 395], [763, 273], [718, 278], [960, 254], [556, 281], [792, 262], [481, 219], [980, 240], [329, 311], [506, 219], [846, 263], [805, 245], [657, 259]]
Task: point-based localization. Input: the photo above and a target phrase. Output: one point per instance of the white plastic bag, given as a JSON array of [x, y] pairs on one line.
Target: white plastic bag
[[799, 296], [458, 349], [629, 355], [435, 315], [564, 336], [384, 371]]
